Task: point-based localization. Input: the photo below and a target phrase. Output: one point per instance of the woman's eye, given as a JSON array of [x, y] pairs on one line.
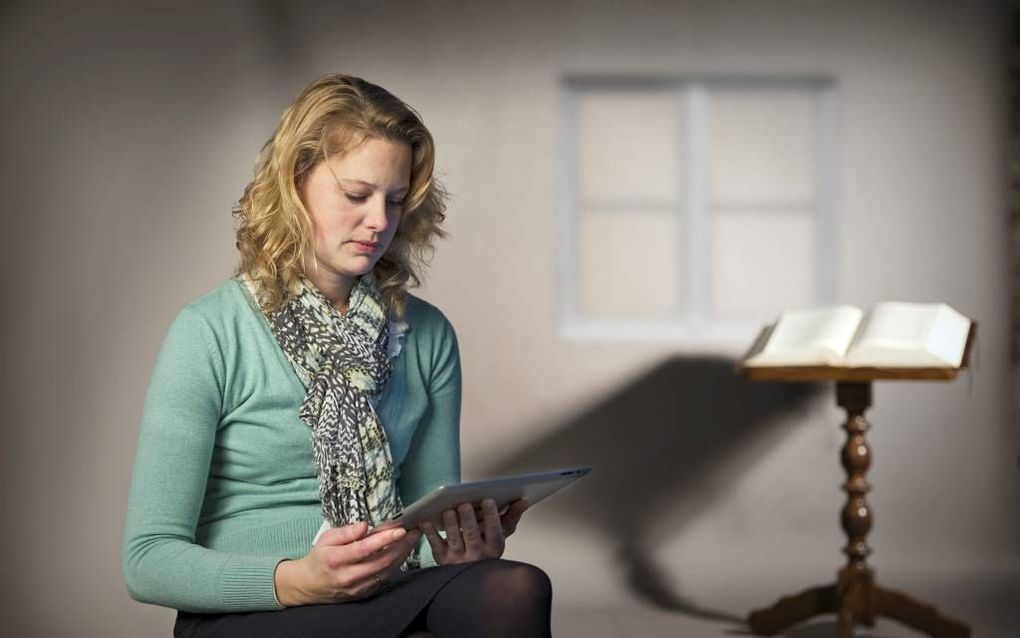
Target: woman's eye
[[362, 198]]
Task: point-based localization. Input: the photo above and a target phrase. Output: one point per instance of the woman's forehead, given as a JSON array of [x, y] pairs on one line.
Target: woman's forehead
[[376, 164]]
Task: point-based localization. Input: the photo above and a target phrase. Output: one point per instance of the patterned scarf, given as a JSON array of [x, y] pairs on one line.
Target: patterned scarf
[[344, 363]]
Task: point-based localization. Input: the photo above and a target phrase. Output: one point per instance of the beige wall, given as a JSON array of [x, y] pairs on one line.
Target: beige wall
[[129, 132]]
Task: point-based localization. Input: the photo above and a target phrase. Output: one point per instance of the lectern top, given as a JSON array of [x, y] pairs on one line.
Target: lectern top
[[847, 373]]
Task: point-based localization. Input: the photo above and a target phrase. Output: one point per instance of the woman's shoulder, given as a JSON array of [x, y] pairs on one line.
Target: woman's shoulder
[[425, 318], [429, 331], [224, 308], [229, 295]]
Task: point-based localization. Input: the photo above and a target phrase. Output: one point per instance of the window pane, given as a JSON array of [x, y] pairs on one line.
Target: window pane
[[762, 264], [628, 148], [628, 265], [762, 146]]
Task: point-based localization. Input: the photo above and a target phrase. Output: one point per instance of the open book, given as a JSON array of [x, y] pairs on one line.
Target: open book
[[893, 335]]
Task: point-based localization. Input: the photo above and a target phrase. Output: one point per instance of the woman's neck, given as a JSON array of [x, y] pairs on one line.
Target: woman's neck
[[337, 288]]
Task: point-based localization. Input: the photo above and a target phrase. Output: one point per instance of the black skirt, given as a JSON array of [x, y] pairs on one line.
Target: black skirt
[[385, 615]]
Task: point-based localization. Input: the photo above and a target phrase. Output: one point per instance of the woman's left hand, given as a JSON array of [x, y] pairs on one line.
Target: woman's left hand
[[465, 540]]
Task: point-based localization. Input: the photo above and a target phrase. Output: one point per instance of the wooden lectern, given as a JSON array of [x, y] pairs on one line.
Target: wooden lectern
[[855, 598]]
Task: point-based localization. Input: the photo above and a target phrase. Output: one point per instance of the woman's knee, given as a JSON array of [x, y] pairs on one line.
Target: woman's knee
[[518, 581], [495, 597]]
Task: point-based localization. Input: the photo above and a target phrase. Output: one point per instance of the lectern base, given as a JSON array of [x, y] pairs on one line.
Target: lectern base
[[856, 600]]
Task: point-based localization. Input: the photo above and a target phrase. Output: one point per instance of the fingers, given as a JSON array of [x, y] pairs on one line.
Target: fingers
[[385, 526], [436, 541], [344, 535], [490, 519], [492, 525], [465, 540], [363, 548], [512, 516], [473, 543], [452, 526], [349, 563], [386, 558], [365, 576]]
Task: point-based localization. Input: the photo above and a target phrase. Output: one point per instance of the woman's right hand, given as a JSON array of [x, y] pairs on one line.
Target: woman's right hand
[[346, 564]]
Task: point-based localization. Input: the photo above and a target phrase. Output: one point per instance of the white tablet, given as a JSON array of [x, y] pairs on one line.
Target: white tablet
[[504, 490]]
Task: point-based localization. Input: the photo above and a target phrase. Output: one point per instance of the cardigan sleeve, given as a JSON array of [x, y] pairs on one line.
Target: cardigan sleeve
[[161, 562], [434, 456]]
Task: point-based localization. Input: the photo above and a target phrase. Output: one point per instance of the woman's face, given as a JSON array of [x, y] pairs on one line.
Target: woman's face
[[355, 201]]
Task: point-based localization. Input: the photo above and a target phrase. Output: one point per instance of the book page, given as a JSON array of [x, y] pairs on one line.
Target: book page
[[900, 334], [948, 338], [809, 337]]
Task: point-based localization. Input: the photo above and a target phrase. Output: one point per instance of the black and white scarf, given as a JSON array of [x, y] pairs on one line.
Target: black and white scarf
[[343, 360]]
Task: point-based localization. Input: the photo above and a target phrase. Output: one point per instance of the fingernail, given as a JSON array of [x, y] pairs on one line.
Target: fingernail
[[397, 533]]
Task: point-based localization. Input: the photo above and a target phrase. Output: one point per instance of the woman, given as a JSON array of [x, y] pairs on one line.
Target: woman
[[312, 392]]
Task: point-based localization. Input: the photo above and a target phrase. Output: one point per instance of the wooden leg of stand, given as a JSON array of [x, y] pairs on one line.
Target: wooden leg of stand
[[857, 604], [918, 615], [790, 610], [855, 598], [851, 598], [856, 581]]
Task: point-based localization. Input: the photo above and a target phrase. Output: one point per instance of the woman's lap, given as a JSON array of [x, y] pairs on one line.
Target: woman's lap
[[384, 615]]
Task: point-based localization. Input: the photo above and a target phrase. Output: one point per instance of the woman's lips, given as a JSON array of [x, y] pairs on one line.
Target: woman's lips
[[365, 246]]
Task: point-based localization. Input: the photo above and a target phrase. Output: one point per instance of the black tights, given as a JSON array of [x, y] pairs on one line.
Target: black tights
[[494, 598]]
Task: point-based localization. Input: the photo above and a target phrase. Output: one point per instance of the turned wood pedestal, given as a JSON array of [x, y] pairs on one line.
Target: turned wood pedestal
[[855, 598]]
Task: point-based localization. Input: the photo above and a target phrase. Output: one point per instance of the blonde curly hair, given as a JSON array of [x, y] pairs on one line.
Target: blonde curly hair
[[274, 233]]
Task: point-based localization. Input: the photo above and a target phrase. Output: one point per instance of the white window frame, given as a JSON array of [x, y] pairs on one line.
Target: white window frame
[[693, 329]]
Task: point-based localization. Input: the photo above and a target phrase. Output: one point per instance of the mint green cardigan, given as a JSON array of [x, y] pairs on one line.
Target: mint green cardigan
[[224, 483]]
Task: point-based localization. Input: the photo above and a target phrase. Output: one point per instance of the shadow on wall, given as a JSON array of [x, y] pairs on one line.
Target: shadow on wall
[[664, 446], [817, 629]]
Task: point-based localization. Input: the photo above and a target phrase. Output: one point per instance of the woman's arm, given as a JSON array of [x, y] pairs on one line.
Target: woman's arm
[[161, 562], [346, 564], [434, 459], [434, 456]]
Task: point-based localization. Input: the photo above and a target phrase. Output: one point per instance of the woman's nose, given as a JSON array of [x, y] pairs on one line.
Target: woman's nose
[[376, 218]]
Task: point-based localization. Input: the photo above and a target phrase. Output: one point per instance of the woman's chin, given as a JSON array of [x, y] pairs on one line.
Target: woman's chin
[[351, 267]]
